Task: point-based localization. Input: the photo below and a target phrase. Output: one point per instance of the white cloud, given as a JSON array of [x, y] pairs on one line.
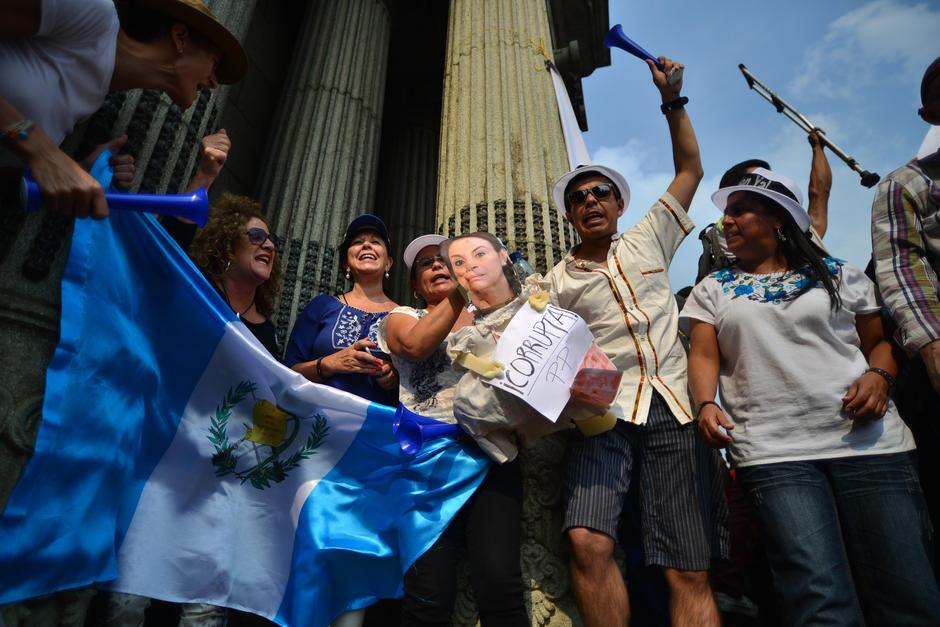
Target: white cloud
[[856, 44]]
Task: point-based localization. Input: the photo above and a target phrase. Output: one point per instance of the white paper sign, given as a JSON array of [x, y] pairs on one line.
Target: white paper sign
[[541, 351]]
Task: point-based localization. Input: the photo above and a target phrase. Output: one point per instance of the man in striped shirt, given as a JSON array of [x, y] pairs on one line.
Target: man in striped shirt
[[905, 235]]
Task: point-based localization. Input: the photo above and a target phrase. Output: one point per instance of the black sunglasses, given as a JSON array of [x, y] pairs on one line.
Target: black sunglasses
[[426, 262], [257, 236], [579, 196]]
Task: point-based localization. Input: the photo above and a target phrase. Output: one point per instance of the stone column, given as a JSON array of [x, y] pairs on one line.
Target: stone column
[[501, 148], [408, 190], [322, 156], [501, 139]]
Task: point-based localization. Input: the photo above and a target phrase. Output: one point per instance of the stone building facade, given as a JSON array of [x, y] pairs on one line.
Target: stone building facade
[[438, 116]]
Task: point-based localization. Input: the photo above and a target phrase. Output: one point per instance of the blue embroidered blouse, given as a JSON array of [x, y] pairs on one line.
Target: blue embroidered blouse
[[326, 326]]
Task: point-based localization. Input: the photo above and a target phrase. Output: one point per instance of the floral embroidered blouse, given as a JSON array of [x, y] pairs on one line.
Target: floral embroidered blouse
[[787, 360], [326, 326], [779, 287]]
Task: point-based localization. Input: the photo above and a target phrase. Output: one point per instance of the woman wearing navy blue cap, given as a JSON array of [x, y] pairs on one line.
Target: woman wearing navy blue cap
[[333, 339]]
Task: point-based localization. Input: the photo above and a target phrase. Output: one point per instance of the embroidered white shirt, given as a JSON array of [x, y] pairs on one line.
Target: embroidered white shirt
[[629, 306]]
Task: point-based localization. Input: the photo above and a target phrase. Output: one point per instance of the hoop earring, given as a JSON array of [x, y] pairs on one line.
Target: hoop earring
[[347, 274], [415, 294], [781, 235], [228, 264]]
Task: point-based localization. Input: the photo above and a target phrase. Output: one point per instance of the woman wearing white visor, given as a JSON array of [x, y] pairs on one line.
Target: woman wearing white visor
[[490, 523]]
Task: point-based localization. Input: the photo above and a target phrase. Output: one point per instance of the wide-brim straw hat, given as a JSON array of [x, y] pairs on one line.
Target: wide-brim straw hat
[[234, 63]]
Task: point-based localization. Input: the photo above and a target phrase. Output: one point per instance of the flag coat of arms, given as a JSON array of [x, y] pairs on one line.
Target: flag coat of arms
[[178, 460]]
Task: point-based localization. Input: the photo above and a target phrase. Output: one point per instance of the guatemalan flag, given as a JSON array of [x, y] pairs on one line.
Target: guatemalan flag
[[177, 460]]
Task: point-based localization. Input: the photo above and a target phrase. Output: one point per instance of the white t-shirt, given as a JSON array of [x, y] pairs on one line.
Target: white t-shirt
[[61, 75], [786, 363], [426, 387]]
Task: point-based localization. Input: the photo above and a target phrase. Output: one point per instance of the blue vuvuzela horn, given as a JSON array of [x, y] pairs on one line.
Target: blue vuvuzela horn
[[617, 39], [414, 430], [192, 206]]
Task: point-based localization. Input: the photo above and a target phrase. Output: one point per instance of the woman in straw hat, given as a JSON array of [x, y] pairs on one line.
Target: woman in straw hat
[[60, 58], [794, 341]]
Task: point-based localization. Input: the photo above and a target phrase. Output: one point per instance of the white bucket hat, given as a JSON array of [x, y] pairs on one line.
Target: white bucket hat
[[413, 248], [558, 187], [779, 188]]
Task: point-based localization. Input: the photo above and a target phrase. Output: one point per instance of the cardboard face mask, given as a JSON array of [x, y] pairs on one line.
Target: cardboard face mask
[[481, 269]]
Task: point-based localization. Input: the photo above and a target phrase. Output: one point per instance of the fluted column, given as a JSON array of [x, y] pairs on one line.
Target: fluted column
[[408, 189], [501, 148], [501, 140], [323, 151]]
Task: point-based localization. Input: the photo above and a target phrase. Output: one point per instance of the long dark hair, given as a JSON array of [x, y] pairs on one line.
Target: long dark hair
[[802, 254]]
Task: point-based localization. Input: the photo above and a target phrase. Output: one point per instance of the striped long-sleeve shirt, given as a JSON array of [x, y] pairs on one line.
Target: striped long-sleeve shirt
[[906, 246]]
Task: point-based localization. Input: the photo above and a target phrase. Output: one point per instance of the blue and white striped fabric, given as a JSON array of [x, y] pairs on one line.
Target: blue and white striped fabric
[[176, 459]]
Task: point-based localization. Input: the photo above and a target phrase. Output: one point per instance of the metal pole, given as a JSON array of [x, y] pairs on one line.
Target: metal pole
[[869, 179]]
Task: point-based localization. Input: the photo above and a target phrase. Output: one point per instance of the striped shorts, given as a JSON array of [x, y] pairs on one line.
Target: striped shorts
[[682, 508]]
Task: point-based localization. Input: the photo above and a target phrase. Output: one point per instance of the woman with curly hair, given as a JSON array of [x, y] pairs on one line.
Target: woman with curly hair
[[238, 254]]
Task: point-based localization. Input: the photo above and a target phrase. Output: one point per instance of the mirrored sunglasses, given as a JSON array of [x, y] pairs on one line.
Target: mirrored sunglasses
[[257, 237], [579, 196]]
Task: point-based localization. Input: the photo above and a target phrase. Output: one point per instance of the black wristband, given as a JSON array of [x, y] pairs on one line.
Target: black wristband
[[674, 105], [320, 372], [884, 375], [703, 404]]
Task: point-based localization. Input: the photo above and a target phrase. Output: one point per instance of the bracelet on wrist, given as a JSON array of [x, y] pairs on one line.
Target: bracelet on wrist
[[674, 105], [18, 130], [884, 374], [702, 405], [319, 371]]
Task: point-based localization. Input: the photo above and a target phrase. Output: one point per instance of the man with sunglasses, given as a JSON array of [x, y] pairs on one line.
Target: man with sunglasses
[[619, 284]]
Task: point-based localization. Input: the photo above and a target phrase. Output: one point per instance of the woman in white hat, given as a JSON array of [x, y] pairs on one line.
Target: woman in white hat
[[794, 341], [60, 58], [489, 524]]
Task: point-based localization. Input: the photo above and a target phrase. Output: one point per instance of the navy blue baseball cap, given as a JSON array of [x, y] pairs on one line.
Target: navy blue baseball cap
[[366, 221]]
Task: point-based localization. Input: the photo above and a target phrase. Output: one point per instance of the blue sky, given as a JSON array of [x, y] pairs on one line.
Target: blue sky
[[853, 68]]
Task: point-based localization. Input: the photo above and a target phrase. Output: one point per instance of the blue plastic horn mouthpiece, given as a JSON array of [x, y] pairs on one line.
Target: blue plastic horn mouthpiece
[[616, 38], [414, 430], [192, 206]]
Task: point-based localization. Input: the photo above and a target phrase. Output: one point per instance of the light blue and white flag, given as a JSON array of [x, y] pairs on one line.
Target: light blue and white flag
[[178, 460]]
